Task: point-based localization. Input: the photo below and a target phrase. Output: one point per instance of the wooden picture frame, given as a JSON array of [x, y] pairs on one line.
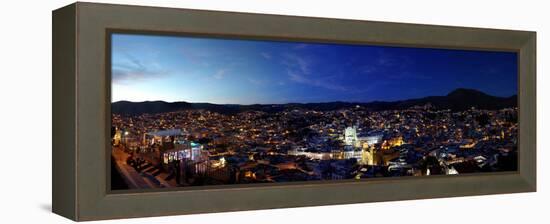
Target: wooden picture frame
[[81, 111]]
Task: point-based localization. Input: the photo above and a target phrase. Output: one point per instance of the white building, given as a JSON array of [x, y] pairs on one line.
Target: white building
[[371, 140], [350, 136]]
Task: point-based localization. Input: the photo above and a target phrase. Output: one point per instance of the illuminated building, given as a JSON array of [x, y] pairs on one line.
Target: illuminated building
[[350, 152], [117, 138], [367, 156], [451, 171], [378, 142], [370, 140], [298, 151], [350, 136], [394, 142], [162, 136], [191, 151]]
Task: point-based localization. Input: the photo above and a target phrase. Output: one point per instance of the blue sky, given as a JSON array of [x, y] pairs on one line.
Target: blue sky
[[230, 71]]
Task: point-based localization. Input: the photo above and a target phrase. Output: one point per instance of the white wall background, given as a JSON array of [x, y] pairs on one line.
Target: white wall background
[[25, 69]]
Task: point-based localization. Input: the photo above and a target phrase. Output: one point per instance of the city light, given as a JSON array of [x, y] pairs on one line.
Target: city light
[[226, 115], [270, 152]]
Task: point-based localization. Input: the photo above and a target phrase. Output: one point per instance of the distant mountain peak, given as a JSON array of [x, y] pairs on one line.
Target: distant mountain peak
[[464, 92], [457, 100]]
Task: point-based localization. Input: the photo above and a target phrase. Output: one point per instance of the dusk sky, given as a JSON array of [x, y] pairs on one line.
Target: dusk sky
[[228, 71]]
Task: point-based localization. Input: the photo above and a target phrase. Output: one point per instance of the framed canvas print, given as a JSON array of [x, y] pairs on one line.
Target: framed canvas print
[[202, 111]]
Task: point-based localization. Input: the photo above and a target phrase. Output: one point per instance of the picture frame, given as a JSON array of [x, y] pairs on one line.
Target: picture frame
[[81, 111]]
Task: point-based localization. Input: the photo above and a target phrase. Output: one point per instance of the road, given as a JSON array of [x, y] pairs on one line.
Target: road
[[134, 179]]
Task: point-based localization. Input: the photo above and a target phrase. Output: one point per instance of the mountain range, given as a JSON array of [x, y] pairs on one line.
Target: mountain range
[[457, 100]]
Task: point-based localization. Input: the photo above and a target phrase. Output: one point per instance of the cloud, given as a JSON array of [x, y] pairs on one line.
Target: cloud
[[368, 69], [196, 57], [296, 62], [297, 77], [392, 66], [130, 69], [299, 71], [256, 81], [266, 55], [300, 78], [386, 59], [220, 73]]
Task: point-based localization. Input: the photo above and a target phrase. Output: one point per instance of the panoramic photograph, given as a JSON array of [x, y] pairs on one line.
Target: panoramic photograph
[[201, 111]]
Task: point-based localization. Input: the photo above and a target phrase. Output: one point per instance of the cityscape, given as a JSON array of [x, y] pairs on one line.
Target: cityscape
[[402, 112]]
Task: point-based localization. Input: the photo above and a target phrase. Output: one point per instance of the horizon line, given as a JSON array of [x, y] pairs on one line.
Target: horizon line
[[337, 101]]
